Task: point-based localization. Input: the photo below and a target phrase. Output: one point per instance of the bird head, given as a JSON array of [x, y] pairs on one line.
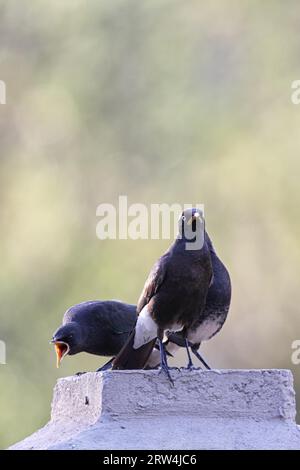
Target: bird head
[[190, 222], [67, 340]]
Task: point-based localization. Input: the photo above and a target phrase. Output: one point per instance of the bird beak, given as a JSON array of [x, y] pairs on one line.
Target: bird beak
[[61, 349], [194, 217]]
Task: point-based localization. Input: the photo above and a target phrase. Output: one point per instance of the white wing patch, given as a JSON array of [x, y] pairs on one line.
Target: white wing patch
[[145, 329]]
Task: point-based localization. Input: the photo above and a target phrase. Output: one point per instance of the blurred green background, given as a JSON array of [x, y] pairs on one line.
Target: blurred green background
[[162, 101]]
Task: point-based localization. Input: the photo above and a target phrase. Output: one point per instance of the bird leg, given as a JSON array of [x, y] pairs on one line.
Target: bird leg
[[167, 352], [194, 349], [163, 361], [106, 366], [190, 363]]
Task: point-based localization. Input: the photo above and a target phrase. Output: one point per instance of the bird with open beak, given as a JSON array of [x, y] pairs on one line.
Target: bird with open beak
[[96, 327], [63, 340]]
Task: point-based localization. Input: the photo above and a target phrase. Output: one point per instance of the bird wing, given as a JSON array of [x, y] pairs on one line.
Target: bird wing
[[140, 343], [153, 283], [121, 324]]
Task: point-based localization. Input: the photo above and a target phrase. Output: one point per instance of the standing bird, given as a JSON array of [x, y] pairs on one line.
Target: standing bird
[[211, 318], [96, 327], [174, 294]]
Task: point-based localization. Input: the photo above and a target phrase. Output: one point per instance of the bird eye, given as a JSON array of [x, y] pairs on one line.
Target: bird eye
[[183, 217]]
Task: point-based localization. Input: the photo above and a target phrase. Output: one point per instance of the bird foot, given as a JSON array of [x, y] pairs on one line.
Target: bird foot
[[165, 369], [106, 366], [194, 351], [193, 367]]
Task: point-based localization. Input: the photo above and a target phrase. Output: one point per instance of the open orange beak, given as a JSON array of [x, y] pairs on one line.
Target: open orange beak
[[61, 349]]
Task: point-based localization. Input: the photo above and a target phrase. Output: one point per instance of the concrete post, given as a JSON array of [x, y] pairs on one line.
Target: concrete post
[[228, 409]]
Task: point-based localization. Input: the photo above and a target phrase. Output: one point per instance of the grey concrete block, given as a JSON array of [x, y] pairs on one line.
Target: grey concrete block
[[228, 409]]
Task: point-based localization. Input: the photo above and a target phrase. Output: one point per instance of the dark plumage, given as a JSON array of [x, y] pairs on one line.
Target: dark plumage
[[174, 294], [96, 327], [211, 318]]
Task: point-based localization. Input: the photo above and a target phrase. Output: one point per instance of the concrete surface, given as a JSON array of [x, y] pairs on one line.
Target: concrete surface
[[228, 409]]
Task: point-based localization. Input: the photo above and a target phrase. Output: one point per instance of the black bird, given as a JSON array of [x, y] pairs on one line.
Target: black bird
[[173, 296], [211, 318], [96, 327]]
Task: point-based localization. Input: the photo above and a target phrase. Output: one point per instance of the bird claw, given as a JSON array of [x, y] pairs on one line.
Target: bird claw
[[106, 366], [166, 371], [200, 358], [193, 367]]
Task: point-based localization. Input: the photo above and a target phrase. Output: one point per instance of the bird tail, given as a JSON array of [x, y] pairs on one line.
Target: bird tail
[[130, 358]]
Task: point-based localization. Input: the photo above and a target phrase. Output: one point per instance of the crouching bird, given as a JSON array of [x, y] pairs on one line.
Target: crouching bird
[[173, 296], [211, 318], [96, 327]]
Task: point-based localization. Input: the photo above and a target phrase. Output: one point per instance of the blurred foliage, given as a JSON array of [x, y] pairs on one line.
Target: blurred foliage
[[163, 101]]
